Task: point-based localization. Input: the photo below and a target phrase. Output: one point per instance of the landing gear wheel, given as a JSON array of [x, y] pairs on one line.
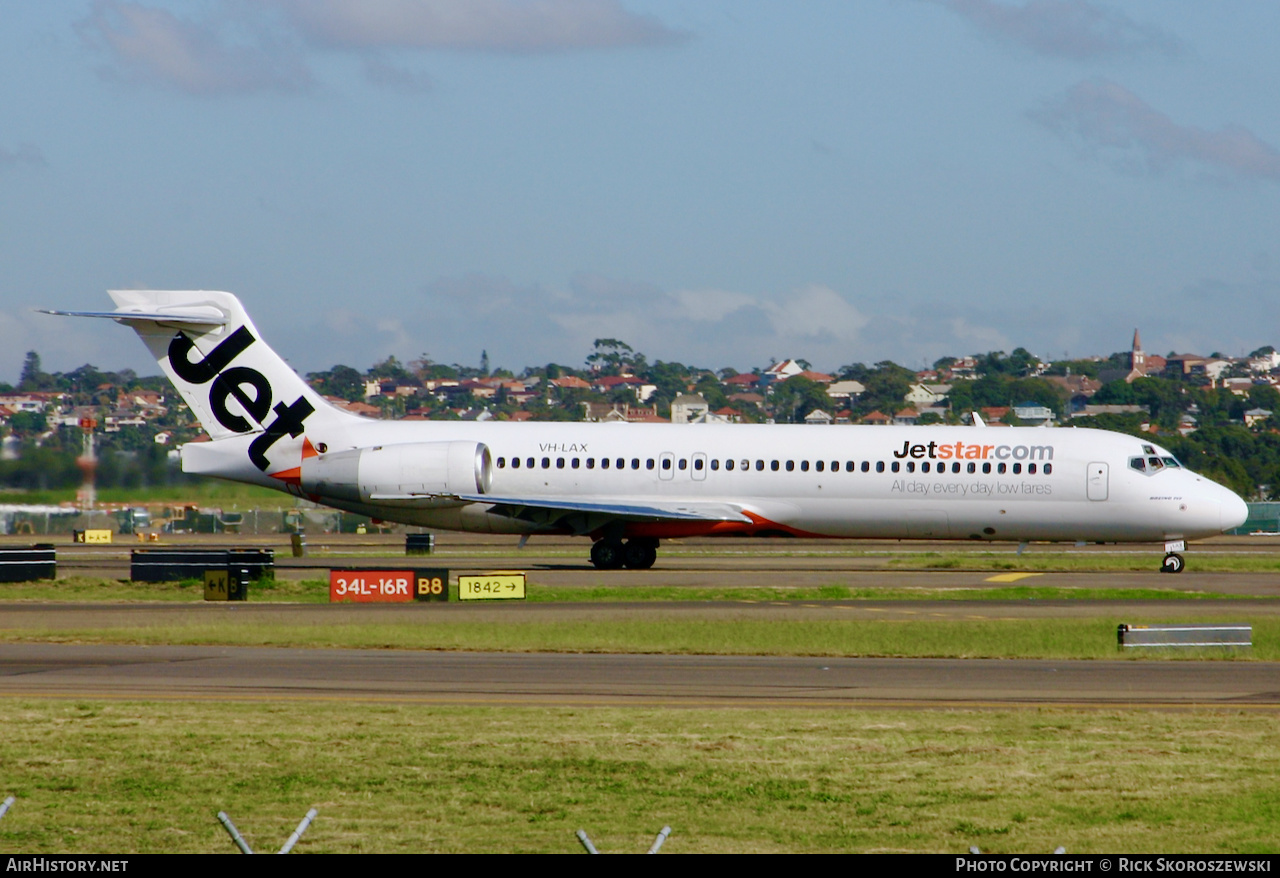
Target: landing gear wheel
[[1173, 563], [639, 555], [607, 554]]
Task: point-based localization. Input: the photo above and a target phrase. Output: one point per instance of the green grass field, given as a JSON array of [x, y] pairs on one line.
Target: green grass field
[[208, 492], [1040, 559], [150, 777], [620, 619], [626, 632], [134, 776], [83, 588]]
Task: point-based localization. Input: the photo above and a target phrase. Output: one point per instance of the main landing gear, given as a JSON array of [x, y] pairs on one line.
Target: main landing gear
[[1173, 562], [637, 553]]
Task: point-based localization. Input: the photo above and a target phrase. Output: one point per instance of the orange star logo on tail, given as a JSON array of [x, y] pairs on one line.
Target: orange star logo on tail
[[293, 476]]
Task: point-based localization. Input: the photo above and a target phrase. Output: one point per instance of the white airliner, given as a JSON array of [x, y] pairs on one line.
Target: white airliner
[[630, 486]]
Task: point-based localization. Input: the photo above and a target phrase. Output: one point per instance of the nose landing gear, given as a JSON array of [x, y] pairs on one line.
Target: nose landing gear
[[1173, 562]]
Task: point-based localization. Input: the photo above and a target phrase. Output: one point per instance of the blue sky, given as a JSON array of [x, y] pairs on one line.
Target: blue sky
[[719, 183]]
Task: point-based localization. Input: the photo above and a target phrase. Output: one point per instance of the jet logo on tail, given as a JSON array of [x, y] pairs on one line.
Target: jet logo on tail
[[248, 387]]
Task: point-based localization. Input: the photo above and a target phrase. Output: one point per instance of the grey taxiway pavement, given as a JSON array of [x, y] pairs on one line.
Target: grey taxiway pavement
[[265, 674], [177, 672]]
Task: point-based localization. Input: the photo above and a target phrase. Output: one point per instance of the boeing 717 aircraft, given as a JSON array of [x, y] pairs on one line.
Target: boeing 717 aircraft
[[628, 487]]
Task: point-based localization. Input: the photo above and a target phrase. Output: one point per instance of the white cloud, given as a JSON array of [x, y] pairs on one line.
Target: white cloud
[[1110, 121], [975, 339], [243, 48], [1066, 28], [483, 25], [153, 46], [816, 312], [394, 333], [455, 318], [709, 305]]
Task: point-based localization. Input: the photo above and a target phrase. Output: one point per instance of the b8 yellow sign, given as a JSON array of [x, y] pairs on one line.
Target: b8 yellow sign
[[432, 585], [503, 585]]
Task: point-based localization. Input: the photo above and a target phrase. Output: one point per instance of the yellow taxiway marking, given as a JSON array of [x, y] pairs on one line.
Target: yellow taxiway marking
[[1010, 577]]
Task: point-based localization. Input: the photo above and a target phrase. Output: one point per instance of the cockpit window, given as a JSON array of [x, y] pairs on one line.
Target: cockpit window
[[1148, 449], [1153, 464]]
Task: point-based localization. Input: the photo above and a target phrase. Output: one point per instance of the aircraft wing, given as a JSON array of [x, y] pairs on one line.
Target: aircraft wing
[[583, 515]]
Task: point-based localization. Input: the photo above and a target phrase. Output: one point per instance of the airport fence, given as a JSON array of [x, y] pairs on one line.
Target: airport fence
[[36, 521], [1263, 518]]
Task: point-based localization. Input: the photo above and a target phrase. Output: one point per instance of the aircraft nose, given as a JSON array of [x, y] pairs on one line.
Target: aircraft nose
[[1234, 511]]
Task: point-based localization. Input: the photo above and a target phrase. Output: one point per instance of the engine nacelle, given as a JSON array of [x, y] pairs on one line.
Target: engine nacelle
[[412, 473]]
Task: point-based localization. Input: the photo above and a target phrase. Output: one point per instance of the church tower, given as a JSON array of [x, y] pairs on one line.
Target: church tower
[[1137, 359]]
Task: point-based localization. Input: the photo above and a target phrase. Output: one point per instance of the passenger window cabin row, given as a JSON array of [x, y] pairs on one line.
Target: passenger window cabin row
[[804, 466]]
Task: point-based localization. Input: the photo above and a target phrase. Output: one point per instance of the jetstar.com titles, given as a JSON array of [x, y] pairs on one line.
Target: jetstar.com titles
[[973, 451]]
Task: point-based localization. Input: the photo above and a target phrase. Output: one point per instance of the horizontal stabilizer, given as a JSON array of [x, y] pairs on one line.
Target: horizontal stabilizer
[[194, 316]]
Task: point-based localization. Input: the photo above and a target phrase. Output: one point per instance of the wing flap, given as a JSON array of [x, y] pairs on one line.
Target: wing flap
[[645, 509]]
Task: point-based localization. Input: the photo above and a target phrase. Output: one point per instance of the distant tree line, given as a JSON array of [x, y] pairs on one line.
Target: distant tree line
[[1246, 459]]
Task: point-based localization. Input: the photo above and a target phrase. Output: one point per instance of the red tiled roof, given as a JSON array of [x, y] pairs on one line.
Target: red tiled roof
[[615, 380], [570, 381]]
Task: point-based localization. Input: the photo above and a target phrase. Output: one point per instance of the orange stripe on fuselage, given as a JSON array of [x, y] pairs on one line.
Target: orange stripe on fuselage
[[677, 529]]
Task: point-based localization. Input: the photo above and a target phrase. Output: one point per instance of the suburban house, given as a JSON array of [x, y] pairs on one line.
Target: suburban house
[[927, 394], [846, 391], [688, 408], [1033, 413]]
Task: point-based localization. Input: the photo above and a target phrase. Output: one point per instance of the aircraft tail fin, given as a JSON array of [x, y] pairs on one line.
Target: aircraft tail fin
[[234, 383]]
